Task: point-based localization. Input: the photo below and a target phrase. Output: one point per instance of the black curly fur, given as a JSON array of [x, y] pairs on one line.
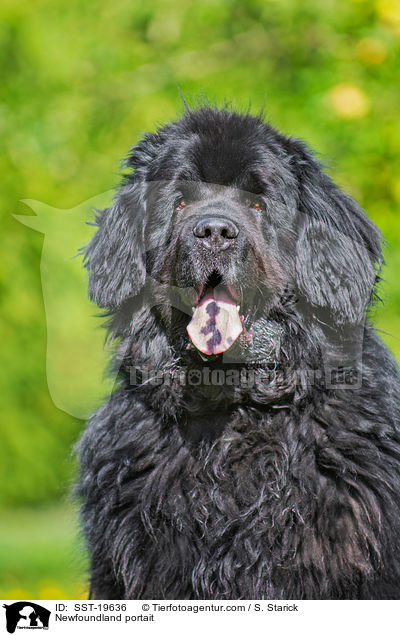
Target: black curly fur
[[286, 488]]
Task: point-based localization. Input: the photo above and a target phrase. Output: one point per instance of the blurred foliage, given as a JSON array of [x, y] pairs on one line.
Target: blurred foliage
[[40, 557], [82, 80]]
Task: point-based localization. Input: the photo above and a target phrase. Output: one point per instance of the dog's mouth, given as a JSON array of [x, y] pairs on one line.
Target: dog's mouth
[[216, 322]]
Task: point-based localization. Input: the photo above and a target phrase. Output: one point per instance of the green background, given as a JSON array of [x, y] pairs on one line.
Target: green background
[[80, 81]]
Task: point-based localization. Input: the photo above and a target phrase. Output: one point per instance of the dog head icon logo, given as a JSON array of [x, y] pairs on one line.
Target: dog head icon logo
[[25, 614]]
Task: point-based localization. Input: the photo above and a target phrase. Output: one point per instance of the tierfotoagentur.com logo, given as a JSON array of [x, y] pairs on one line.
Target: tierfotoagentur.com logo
[[26, 615], [241, 378], [212, 322]]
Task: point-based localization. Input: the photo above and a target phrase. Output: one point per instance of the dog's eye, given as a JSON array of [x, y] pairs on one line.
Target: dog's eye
[[256, 204], [179, 205]]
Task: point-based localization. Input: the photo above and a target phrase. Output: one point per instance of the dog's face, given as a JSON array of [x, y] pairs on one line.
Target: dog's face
[[225, 220], [222, 249]]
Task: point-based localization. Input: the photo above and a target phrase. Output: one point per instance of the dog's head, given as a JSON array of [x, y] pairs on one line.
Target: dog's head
[[223, 219]]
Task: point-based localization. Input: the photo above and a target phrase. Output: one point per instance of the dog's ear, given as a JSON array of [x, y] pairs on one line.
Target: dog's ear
[[115, 256], [338, 248]]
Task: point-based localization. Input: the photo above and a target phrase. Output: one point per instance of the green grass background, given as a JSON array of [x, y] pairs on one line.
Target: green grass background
[[80, 81]]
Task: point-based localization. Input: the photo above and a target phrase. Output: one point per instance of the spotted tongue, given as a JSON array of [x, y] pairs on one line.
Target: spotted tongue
[[216, 323]]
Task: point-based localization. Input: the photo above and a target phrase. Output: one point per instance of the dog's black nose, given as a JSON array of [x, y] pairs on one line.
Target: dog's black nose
[[216, 232]]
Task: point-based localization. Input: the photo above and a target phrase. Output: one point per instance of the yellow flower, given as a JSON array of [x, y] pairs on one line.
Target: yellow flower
[[348, 101], [371, 51], [80, 592], [17, 593], [389, 11], [51, 591]]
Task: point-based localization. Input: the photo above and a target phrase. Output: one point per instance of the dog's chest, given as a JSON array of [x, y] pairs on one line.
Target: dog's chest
[[255, 498], [249, 477]]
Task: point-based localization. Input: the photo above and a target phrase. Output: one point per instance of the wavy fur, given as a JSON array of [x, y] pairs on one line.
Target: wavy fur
[[284, 488]]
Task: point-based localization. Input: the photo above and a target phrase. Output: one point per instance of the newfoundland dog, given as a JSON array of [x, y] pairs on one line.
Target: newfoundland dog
[[252, 446]]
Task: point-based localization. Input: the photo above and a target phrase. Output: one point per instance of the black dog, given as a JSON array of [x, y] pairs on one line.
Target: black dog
[[252, 449]]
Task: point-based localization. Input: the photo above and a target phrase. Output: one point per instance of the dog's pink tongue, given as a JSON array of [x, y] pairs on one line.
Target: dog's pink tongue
[[216, 323]]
